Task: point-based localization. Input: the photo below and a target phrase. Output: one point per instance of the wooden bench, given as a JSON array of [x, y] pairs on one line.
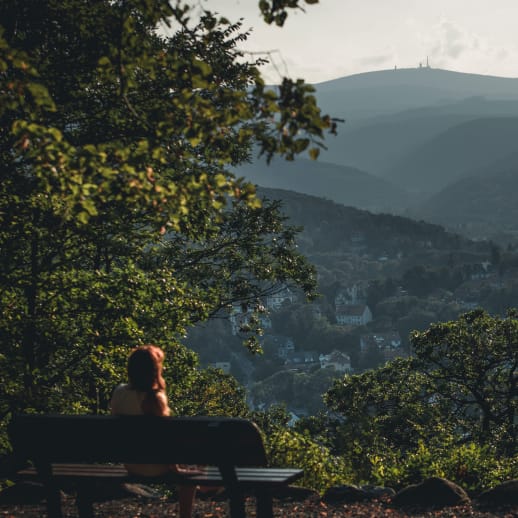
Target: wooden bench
[[85, 450]]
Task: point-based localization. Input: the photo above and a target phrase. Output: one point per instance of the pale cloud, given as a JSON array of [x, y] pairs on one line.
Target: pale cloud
[[451, 45], [450, 40], [374, 61], [502, 54]]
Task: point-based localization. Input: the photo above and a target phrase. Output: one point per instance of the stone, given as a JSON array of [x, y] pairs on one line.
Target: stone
[[294, 493], [433, 492], [501, 495], [346, 494]]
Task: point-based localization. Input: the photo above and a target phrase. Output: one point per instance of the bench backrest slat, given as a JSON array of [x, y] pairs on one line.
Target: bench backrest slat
[[138, 439]]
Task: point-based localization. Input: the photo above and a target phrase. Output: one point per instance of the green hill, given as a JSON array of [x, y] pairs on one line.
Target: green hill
[[341, 184], [377, 144], [482, 203], [333, 228], [455, 152]]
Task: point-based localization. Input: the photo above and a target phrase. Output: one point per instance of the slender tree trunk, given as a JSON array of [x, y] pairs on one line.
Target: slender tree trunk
[[512, 417], [29, 340]]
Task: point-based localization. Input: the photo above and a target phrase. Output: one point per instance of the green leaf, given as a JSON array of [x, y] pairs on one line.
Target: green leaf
[[314, 152]]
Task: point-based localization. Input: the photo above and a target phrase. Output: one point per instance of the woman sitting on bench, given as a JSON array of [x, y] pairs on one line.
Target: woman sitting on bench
[[145, 395]]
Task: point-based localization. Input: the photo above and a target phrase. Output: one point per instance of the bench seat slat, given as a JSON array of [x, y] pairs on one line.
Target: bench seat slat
[[211, 474]]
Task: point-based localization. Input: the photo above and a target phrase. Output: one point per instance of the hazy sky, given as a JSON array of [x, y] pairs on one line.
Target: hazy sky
[[341, 37]]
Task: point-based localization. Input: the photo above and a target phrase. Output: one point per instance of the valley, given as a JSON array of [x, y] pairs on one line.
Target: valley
[[409, 217]]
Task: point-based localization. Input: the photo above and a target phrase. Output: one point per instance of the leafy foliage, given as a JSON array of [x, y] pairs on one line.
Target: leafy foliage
[[211, 393], [473, 362], [321, 469], [120, 220], [386, 409], [276, 11], [472, 466], [290, 447], [448, 411]]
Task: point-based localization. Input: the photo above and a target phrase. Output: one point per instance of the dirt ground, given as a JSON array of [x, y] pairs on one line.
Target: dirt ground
[[311, 507]]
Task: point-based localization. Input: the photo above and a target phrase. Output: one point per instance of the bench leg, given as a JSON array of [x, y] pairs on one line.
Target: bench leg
[[237, 504], [264, 504], [84, 504], [53, 497]]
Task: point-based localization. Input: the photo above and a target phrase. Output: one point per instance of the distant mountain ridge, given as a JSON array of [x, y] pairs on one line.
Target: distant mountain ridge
[[345, 185], [411, 137], [376, 144], [455, 153], [424, 76], [479, 204]]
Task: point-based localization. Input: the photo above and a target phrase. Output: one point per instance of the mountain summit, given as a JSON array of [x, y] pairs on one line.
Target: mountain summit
[[387, 91], [461, 82]]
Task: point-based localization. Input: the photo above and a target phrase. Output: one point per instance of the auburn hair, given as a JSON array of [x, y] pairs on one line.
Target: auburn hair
[[145, 365]]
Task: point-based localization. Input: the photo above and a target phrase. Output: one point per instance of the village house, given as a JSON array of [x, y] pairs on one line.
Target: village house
[[338, 361], [389, 340], [280, 345], [388, 343], [353, 315], [276, 300], [285, 348], [481, 270], [302, 359]]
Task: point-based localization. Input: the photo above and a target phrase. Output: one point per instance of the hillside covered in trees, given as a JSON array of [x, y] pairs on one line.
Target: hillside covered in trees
[[408, 274], [330, 231]]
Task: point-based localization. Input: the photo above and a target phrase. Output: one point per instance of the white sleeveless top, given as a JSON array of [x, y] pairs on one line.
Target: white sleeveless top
[[126, 401]]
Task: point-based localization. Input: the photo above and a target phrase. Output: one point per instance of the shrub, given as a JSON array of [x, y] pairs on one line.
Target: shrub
[[472, 466], [288, 448]]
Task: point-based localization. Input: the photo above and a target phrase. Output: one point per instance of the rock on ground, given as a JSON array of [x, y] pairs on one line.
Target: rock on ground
[[433, 492]]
